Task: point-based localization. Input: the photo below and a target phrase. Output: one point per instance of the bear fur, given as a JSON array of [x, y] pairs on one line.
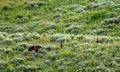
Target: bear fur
[[34, 48]]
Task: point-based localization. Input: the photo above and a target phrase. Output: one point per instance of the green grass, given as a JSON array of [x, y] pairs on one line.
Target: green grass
[[76, 23]]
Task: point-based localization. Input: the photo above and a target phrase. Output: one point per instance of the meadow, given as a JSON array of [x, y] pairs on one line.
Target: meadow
[[88, 30]]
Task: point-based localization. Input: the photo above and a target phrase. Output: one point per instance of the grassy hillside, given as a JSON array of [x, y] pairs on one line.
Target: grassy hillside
[[88, 29]]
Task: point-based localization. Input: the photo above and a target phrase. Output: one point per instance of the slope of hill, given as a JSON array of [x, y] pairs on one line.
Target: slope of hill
[[89, 31]]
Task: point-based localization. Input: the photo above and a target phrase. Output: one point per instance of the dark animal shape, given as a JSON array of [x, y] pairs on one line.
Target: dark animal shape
[[34, 48], [61, 45], [98, 40]]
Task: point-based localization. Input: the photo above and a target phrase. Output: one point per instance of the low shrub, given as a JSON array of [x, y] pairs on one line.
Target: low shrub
[[17, 39], [74, 7], [80, 9], [73, 29], [6, 7], [3, 64], [17, 61], [8, 29], [8, 41], [8, 50], [19, 29], [55, 37], [2, 48], [25, 52], [60, 9], [74, 44], [112, 14], [117, 10], [34, 4], [61, 40], [20, 16], [46, 62], [57, 16], [2, 37], [22, 20], [51, 47], [52, 57], [111, 21], [24, 45], [100, 5], [51, 26], [30, 36], [33, 55]]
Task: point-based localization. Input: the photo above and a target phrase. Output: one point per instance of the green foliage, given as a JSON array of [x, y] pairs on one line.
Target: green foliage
[[17, 61], [88, 30], [6, 8], [8, 41], [73, 29], [111, 21], [111, 14], [2, 37], [8, 51], [103, 4], [34, 4]]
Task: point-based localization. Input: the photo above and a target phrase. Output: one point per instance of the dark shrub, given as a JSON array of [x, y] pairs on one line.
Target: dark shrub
[[19, 16], [6, 7], [111, 14], [111, 21]]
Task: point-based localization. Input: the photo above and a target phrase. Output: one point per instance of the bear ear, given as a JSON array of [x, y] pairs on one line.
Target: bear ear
[[32, 47]]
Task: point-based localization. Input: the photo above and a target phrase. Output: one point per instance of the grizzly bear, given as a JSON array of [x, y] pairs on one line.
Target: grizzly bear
[[34, 48]]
